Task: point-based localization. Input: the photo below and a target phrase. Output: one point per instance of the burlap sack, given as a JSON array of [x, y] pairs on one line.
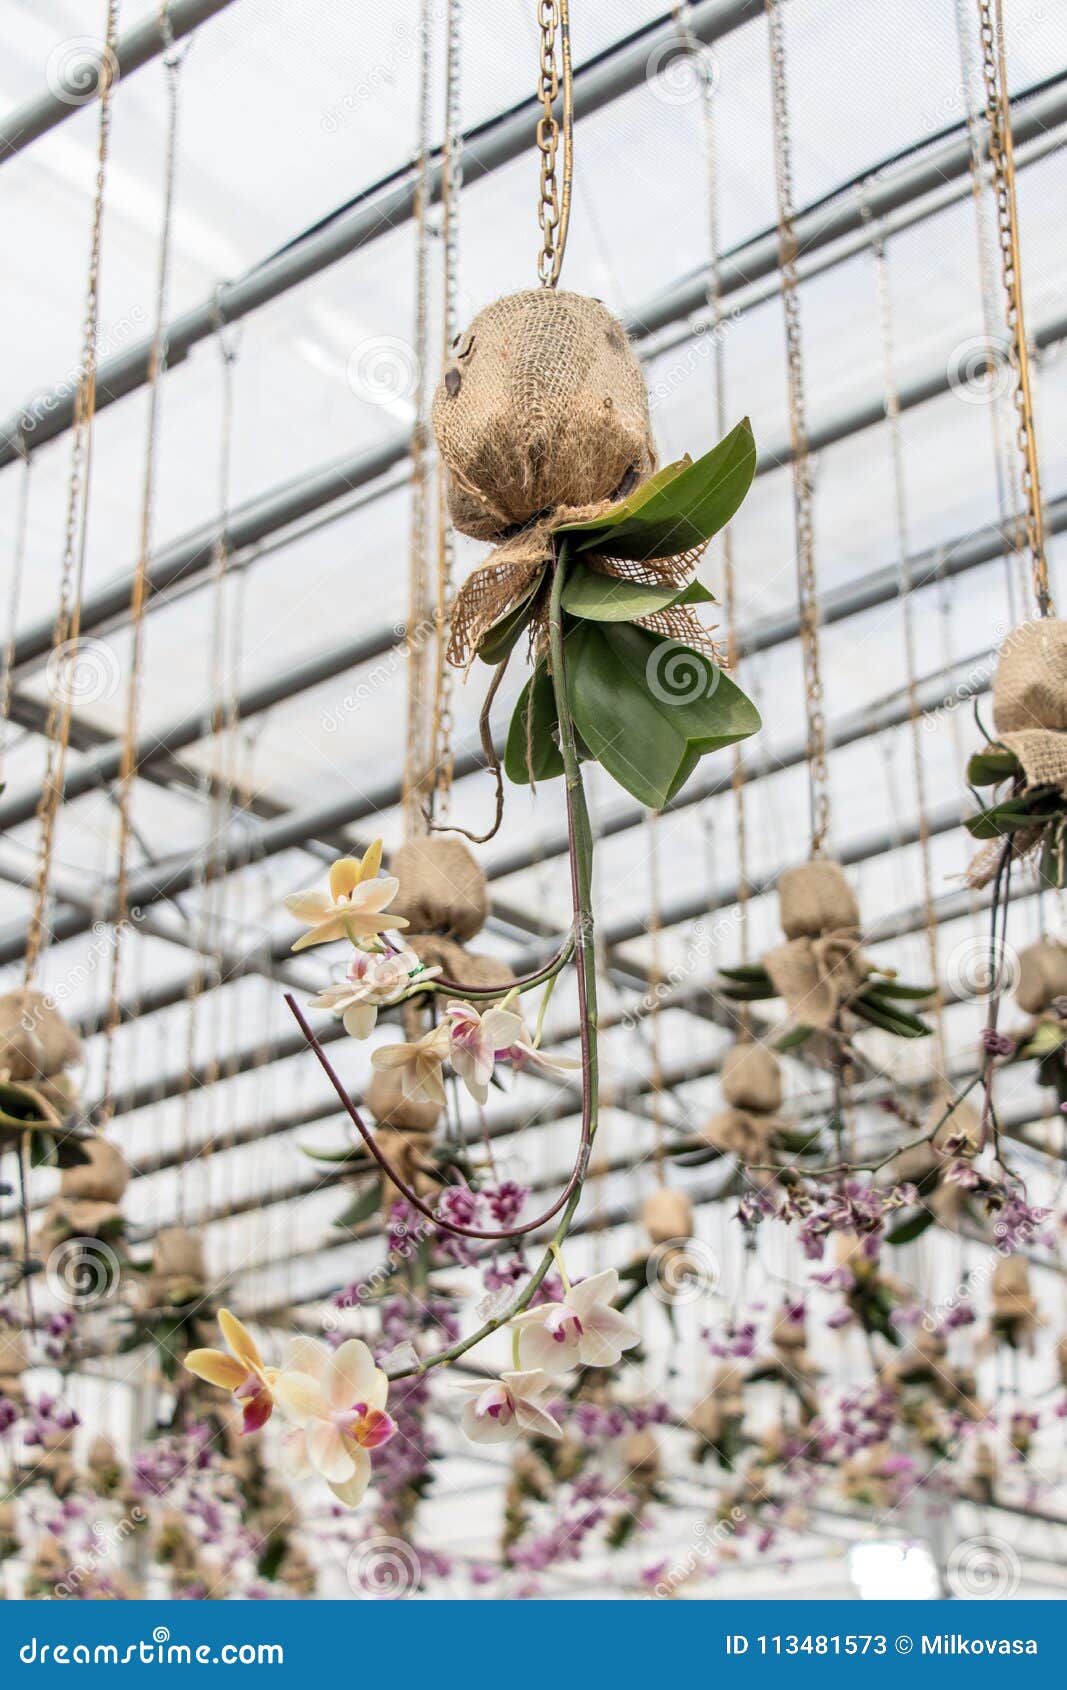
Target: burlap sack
[[741, 1133], [641, 1455], [815, 898], [442, 888], [13, 1361], [1042, 975], [542, 404], [1030, 685], [407, 1154], [1011, 1279], [35, 1041], [667, 1214], [102, 1179], [1061, 1360], [75, 1218], [466, 968], [789, 1332], [384, 1099], [964, 1122], [179, 1252], [816, 977], [1043, 755], [752, 1078]]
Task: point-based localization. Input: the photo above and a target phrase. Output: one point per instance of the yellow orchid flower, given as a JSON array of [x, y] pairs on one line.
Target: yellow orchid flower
[[353, 907], [241, 1372]]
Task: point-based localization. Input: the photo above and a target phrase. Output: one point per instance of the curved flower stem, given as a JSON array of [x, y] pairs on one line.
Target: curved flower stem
[[580, 834], [525, 983]]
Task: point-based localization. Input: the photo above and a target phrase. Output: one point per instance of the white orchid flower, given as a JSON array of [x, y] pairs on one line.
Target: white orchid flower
[[353, 907], [371, 981], [418, 1065], [501, 1410], [336, 1400], [582, 1331]]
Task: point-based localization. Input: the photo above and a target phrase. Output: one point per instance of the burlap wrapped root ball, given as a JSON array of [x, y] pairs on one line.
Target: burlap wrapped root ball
[[87, 1205], [1030, 700], [178, 1276], [13, 1362], [667, 1216], [814, 899], [1042, 976], [1013, 1305], [467, 968], [542, 404], [752, 1078], [442, 889], [35, 1041]]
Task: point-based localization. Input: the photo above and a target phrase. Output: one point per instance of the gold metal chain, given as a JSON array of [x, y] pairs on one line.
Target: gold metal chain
[[1002, 159], [67, 627], [451, 187], [803, 486], [554, 207]]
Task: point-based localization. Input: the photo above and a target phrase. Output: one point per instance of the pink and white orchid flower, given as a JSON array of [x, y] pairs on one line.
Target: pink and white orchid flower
[[582, 1331], [478, 1041], [336, 1400], [372, 980], [500, 1410]]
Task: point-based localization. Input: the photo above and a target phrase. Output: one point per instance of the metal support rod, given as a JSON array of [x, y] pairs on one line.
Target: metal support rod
[[616, 71], [138, 47]]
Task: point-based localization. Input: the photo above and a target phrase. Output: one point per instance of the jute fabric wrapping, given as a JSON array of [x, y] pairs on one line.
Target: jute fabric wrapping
[[35, 1041], [384, 1099], [752, 1078], [442, 888], [1030, 719], [178, 1275], [466, 968], [814, 899], [74, 1217], [666, 1215], [541, 419], [102, 1179], [1042, 976], [743, 1133], [1013, 1302], [1061, 1360], [816, 977]]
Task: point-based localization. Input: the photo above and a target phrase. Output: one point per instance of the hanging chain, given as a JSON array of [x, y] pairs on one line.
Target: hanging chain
[[416, 760], [1002, 159], [892, 412], [451, 187], [67, 627], [173, 62], [554, 206], [655, 987], [803, 487]]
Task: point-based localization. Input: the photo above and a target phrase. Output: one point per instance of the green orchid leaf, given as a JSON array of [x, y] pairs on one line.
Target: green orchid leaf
[[503, 635], [911, 1227], [888, 1018], [679, 509], [754, 971], [603, 598], [649, 708], [362, 1207], [794, 1039], [887, 988], [542, 734], [989, 768]]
